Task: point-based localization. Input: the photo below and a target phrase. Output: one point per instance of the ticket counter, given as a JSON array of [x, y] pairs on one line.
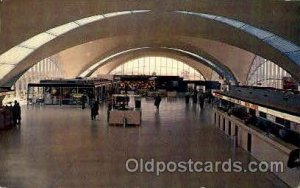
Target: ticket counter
[[263, 147]]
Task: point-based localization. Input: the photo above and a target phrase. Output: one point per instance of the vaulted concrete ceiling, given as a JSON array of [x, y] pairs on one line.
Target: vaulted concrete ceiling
[[161, 27], [85, 55], [20, 22]]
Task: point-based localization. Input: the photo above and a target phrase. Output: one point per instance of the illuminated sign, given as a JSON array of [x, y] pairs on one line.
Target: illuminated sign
[[251, 106]]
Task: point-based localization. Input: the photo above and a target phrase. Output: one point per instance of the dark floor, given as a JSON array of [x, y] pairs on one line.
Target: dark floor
[[61, 147]]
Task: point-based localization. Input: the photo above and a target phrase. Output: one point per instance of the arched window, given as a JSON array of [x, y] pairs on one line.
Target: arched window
[[266, 74], [156, 65]]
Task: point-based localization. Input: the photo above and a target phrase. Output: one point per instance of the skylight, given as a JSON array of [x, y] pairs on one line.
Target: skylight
[[63, 29], [286, 47], [4, 68], [37, 41], [21, 51], [281, 44], [259, 33], [14, 55], [113, 14], [140, 11], [295, 56], [90, 19], [233, 23]]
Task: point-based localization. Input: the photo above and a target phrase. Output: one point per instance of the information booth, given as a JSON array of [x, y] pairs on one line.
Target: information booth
[[126, 110]]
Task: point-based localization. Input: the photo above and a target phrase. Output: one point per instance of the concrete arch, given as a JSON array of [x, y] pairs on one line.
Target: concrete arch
[[84, 56], [280, 17], [248, 42], [212, 64]]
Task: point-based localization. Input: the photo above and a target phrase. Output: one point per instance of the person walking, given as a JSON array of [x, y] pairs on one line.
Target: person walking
[[195, 97], [187, 97], [157, 101], [201, 100], [96, 108], [109, 107], [93, 109], [16, 113], [18, 108], [83, 101]]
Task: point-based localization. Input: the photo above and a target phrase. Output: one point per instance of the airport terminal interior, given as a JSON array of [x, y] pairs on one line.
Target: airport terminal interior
[[140, 93]]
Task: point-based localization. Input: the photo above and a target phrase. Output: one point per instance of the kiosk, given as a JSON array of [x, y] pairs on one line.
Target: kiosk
[[68, 91], [126, 110]]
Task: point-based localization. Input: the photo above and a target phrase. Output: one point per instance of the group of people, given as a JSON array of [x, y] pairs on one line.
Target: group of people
[[13, 113], [94, 106], [196, 96]]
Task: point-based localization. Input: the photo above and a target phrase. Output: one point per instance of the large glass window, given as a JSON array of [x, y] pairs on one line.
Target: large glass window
[[266, 74], [48, 68], [161, 66]]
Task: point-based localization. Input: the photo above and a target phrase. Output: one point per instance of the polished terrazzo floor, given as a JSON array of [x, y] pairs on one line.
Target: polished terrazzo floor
[[61, 147]]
